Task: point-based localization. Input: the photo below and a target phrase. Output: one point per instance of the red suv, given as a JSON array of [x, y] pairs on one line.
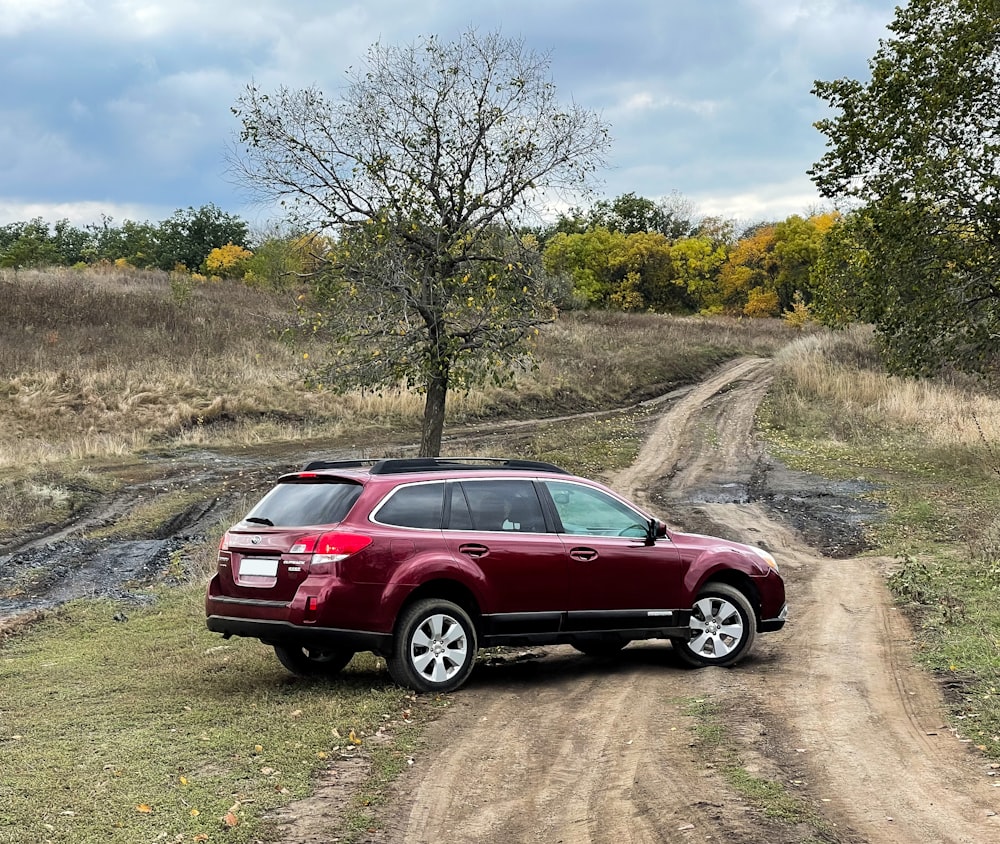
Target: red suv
[[426, 560]]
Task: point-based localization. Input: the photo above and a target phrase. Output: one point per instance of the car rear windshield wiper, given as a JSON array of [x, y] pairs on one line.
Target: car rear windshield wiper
[[257, 520]]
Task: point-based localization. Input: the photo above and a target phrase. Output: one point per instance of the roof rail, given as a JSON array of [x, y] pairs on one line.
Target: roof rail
[[395, 466], [399, 465], [337, 464]]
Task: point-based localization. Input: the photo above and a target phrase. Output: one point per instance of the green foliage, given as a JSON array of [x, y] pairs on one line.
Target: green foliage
[[626, 272], [185, 238], [918, 146]]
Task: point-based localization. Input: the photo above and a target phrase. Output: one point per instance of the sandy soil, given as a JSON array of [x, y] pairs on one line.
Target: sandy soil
[[563, 748]]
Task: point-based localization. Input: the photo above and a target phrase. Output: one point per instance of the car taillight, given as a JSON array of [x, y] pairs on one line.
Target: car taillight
[[330, 547]]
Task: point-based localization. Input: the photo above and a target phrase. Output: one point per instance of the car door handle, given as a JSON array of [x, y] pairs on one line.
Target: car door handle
[[474, 550], [584, 555]]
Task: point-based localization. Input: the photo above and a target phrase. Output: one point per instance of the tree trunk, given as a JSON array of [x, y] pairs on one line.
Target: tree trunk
[[433, 426]]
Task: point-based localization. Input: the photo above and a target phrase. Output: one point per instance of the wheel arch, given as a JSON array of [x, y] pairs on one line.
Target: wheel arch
[[448, 590], [738, 580]]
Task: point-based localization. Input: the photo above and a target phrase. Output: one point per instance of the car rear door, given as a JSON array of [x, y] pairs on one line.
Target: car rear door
[[499, 527]]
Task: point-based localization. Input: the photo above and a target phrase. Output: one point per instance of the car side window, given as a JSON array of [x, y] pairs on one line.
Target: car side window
[[591, 512], [414, 506], [497, 505]]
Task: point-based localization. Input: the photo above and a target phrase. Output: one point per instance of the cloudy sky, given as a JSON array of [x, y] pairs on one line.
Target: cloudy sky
[[122, 107]]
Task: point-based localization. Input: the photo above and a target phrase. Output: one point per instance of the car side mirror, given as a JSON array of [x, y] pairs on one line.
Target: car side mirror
[[655, 530]]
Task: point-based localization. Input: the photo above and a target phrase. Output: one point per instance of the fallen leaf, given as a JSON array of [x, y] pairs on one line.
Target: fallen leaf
[[353, 739], [183, 780], [230, 820], [145, 808]]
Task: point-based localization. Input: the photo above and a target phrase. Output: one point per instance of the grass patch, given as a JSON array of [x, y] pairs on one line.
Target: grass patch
[[154, 729], [767, 796]]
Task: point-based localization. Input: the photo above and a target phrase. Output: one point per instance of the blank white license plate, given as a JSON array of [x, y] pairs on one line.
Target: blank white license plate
[[258, 567]]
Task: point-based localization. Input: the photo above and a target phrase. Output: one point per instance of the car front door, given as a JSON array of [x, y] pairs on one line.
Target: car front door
[[616, 578]]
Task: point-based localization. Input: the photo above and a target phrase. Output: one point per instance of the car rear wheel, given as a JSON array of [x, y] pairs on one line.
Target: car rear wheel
[[434, 648], [313, 662], [723, 627]]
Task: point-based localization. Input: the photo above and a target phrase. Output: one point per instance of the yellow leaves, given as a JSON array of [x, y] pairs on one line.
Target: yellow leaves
[[144, 808], [227, 260], [353, 739]]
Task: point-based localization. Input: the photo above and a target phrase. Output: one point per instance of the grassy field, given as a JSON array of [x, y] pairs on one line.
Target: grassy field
[[126, 723]]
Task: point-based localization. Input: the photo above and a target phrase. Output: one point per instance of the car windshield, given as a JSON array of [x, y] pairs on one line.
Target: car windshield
[[296, 503]]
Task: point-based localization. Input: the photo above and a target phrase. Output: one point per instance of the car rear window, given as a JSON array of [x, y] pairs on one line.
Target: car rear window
[[416, 506], [314, 502]]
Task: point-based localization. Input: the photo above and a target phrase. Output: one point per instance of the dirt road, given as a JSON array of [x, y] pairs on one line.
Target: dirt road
[[563, 748]]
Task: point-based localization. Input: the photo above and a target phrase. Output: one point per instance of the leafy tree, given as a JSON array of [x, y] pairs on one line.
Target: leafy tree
[[29, 244], [425, 167], [614, 270], [797, 243], [188, 236], [587, 258], [631, 214], [749, 274], [696, 262], [229, 261], [917, 147]]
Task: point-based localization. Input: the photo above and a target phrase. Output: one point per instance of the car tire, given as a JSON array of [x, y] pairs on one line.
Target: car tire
[[313, 662], [723, 627], [599, 647], [434, 648]]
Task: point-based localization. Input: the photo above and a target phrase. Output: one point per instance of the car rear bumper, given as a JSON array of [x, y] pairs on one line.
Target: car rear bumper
[[283, 632]]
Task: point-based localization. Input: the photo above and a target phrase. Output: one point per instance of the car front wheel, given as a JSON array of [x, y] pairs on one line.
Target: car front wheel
[[435, 647], [723, 627], [313, 662]]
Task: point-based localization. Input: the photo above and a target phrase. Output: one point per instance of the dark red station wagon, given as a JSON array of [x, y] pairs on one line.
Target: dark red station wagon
[[426, 560]]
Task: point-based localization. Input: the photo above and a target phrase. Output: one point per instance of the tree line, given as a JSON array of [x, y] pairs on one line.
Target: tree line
[[630, 254]]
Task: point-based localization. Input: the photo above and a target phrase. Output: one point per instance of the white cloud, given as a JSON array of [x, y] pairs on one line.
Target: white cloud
[[79, 214], [20, 16], [763, 202], [648, 101]]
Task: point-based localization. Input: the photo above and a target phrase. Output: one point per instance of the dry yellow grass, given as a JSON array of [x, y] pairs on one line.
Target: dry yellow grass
[[108, 363], [833, 368]]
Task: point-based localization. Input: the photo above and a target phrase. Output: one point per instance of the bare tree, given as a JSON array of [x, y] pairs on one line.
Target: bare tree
[[424, 169]]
